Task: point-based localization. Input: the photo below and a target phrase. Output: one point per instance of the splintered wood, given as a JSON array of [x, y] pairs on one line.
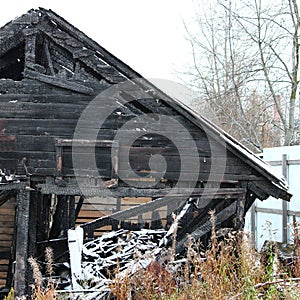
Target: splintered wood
[[123, 252], [117, 254]]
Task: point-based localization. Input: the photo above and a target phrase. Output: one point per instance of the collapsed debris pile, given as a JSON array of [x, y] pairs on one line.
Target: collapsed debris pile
[[122, 252]]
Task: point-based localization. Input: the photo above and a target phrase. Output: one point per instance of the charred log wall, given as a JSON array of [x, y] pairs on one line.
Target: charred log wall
[[35, 115]]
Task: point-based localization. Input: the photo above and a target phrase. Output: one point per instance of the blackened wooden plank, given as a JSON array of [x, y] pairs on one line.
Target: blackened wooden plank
[[48, 57], [72, 213], [184, 149], [182, 163], [54, 126], [78, 207], [191, 176], [22, 221], [272, 190], [18, 110], [12, 186], [9, 164], [5, 255], [98, 173], [107, 71], [35, 198], [69, 85], [30, 163], [36, 155], [75, 99], [43, 218], [60, 218], [37, 127], [10, 42], [30, 86], [30, 44], [35, 143], [240, 213], [42, 171], [200, 231]]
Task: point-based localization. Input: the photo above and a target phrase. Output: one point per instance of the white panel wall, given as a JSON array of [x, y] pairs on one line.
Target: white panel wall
[[268, 225]]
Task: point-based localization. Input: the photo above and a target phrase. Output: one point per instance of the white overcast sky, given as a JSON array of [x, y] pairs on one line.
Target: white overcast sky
[[148, 35]]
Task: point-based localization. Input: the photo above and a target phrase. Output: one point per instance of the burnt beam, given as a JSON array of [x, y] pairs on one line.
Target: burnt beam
[[120, 191], [170, 201], [205, 228], [11, 42], [49, 60], [72, 211], [60, 218], [30, 46], [22, 229], [43, 217], [259, 192], [59, 82], [78, 207], [240, 213]]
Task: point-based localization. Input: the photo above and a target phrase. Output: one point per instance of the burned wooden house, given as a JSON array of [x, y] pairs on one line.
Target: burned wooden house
[[85, 140]]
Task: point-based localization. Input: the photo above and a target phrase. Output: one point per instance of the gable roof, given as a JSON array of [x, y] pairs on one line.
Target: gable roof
[[103, 65]]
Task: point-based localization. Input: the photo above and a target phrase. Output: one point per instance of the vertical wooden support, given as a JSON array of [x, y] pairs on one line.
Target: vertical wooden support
[[72, 211], [32, 230], [156, 222], [30, 46], [33, 216], [170, 210], [43, 220], [241, 207], [60, 218], [118, 204], [34, 212], [284, 203], [10, 273], [140, 221], [115, 223], [78, 207], [22, 221], [48, 56], [240, 213]]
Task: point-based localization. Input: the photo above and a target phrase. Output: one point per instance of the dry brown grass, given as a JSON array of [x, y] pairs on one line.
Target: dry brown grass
[[229, 269]]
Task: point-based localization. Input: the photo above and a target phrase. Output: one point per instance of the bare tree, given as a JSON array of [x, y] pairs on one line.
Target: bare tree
[[245, 67]]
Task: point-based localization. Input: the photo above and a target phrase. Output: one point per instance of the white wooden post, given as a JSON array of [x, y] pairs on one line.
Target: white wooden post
[[75, 243]]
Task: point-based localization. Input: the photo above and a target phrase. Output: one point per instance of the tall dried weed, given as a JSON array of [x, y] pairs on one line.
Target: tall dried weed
[[43, 289]]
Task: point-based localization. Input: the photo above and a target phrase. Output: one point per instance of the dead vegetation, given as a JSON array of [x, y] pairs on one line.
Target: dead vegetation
[[43, 289], [229, 268]]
